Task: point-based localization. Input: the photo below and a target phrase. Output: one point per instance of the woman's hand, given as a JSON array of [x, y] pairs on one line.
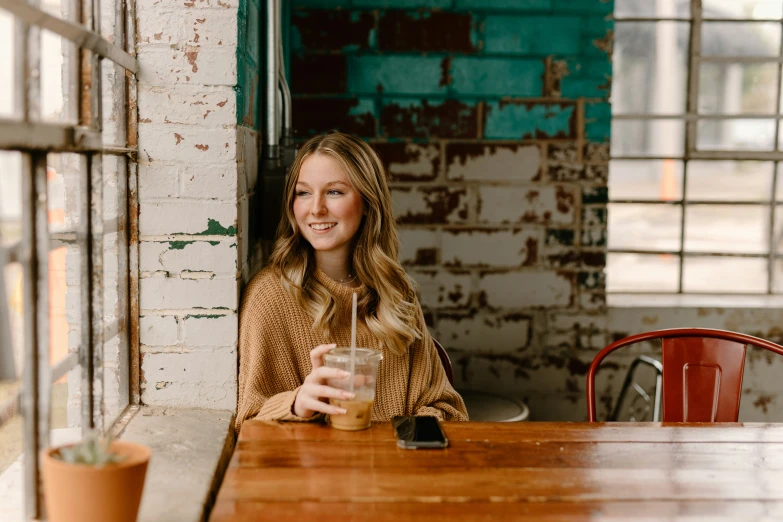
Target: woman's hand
[[314, 395]]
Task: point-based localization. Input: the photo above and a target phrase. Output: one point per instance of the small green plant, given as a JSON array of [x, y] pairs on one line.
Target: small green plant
[[92, 451]]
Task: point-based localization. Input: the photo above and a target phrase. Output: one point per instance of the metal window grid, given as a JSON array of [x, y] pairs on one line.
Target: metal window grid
[[35, 139], [691, 118]]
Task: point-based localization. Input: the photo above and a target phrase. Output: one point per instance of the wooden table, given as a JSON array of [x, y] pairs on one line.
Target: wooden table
[[507, 471]]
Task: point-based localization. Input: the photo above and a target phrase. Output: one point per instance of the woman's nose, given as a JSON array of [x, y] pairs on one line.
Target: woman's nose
[[319, 206]]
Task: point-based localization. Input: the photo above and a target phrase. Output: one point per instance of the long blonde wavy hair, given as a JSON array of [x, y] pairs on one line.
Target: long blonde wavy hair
[[388, 306]]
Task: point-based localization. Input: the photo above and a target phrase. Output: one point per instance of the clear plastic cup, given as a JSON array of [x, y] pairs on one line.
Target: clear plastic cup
[[359, 409]]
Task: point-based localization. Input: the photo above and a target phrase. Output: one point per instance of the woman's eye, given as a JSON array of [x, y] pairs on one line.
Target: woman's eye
[[301, 193], [334, 193]]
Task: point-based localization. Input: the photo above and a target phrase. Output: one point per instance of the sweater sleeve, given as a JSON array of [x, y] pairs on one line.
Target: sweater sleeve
[[431, 392], [267, 380]]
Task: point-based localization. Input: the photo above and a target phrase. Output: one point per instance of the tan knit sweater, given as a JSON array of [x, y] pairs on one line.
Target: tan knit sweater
[[275, 339]]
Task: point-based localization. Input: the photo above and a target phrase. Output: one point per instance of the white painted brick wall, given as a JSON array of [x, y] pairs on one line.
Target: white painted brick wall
[[536, 203], [186, 143], [486, 333], [192, 65], [189, 105], [157, 180], [535, 288], [210, 330], [505, 164], [441, 289], [158, 293], [188, 166], [421, 168], [204, 379], [412, 241], [158, 330], [497, 248], [184, 217], [192, 27], [218, 257]]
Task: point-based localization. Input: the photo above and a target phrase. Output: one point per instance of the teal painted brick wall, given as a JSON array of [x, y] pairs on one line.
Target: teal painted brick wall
[[249, 62], [493, 119]]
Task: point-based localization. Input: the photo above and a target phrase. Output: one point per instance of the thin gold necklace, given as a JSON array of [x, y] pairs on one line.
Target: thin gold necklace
[[347, 280]]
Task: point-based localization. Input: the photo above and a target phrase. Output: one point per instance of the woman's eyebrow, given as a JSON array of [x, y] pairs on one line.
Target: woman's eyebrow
[[305, 184]]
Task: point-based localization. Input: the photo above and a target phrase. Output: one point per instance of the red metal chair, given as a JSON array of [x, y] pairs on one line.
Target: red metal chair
[[444, 359], [702, 372]]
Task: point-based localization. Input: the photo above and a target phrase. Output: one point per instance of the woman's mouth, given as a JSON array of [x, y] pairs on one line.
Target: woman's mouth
[[322, 227]]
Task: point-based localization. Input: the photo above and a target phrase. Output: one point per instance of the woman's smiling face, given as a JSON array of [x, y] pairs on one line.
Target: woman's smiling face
[[327, 207]]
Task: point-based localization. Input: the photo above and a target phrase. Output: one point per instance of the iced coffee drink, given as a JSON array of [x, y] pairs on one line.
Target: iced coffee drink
[[365, 368], [358, 416]]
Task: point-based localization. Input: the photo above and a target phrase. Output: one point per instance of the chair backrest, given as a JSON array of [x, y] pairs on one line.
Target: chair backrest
[[444, 359], [702, 372]]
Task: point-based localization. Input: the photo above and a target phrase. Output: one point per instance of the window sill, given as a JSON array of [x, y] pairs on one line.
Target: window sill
[[693, 301], [190, 451]]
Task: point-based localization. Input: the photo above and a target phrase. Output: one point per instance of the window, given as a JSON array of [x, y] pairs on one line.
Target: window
[[695, 181], [67, 169]]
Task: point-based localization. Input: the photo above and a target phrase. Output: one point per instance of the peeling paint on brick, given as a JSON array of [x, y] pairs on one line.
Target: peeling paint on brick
[[606, 43], [430, 205], [332, 29], [214, 228], [423, 119], [409, 161], [554, 72], [425, 31], [487, 162], [315, 115], [179, 245]]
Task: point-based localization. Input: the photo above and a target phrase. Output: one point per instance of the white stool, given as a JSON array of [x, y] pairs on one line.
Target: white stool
[[489, 407]]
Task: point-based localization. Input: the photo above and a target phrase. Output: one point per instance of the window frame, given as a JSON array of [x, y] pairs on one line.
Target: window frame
[[691, 119], [34, 139]]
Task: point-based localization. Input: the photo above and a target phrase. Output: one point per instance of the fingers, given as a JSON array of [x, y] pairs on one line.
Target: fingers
[[322, 373], [309, 399], [317, 353], [321, 391]]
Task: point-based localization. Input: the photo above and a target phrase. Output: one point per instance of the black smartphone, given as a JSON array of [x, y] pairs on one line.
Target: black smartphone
[[419, 432]]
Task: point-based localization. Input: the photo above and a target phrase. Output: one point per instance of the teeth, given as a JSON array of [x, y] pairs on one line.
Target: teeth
[[323, 226]]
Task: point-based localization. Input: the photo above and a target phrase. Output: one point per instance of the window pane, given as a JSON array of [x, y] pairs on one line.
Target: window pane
[[11, 357], [8, 108], [742, 9], [644, 227], [649, 9], [647, 137], [64, 288], [779, 182], [738, 88], [642, 273], [778, 277], [740, 39], [727, 228], [115, 350], [741, 134], [655, 180], [777, 236], [51, 77], [11, 292], [729, 180], [650, 67], [724, 274]]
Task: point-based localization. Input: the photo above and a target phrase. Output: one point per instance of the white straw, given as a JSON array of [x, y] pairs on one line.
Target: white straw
[[353, 340]]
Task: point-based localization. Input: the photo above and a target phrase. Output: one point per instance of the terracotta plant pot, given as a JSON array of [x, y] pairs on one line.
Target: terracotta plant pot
[[78, 492]]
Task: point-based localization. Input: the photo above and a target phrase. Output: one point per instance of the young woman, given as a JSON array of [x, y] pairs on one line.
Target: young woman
[[337, 236]]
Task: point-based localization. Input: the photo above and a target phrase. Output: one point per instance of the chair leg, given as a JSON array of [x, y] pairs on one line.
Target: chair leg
[[629, 382]]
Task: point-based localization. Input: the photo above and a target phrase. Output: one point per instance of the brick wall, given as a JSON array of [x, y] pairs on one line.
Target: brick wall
[[493, 120], [190, 156]]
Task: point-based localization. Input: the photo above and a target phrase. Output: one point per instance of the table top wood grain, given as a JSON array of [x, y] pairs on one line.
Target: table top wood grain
[[509, 471]]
